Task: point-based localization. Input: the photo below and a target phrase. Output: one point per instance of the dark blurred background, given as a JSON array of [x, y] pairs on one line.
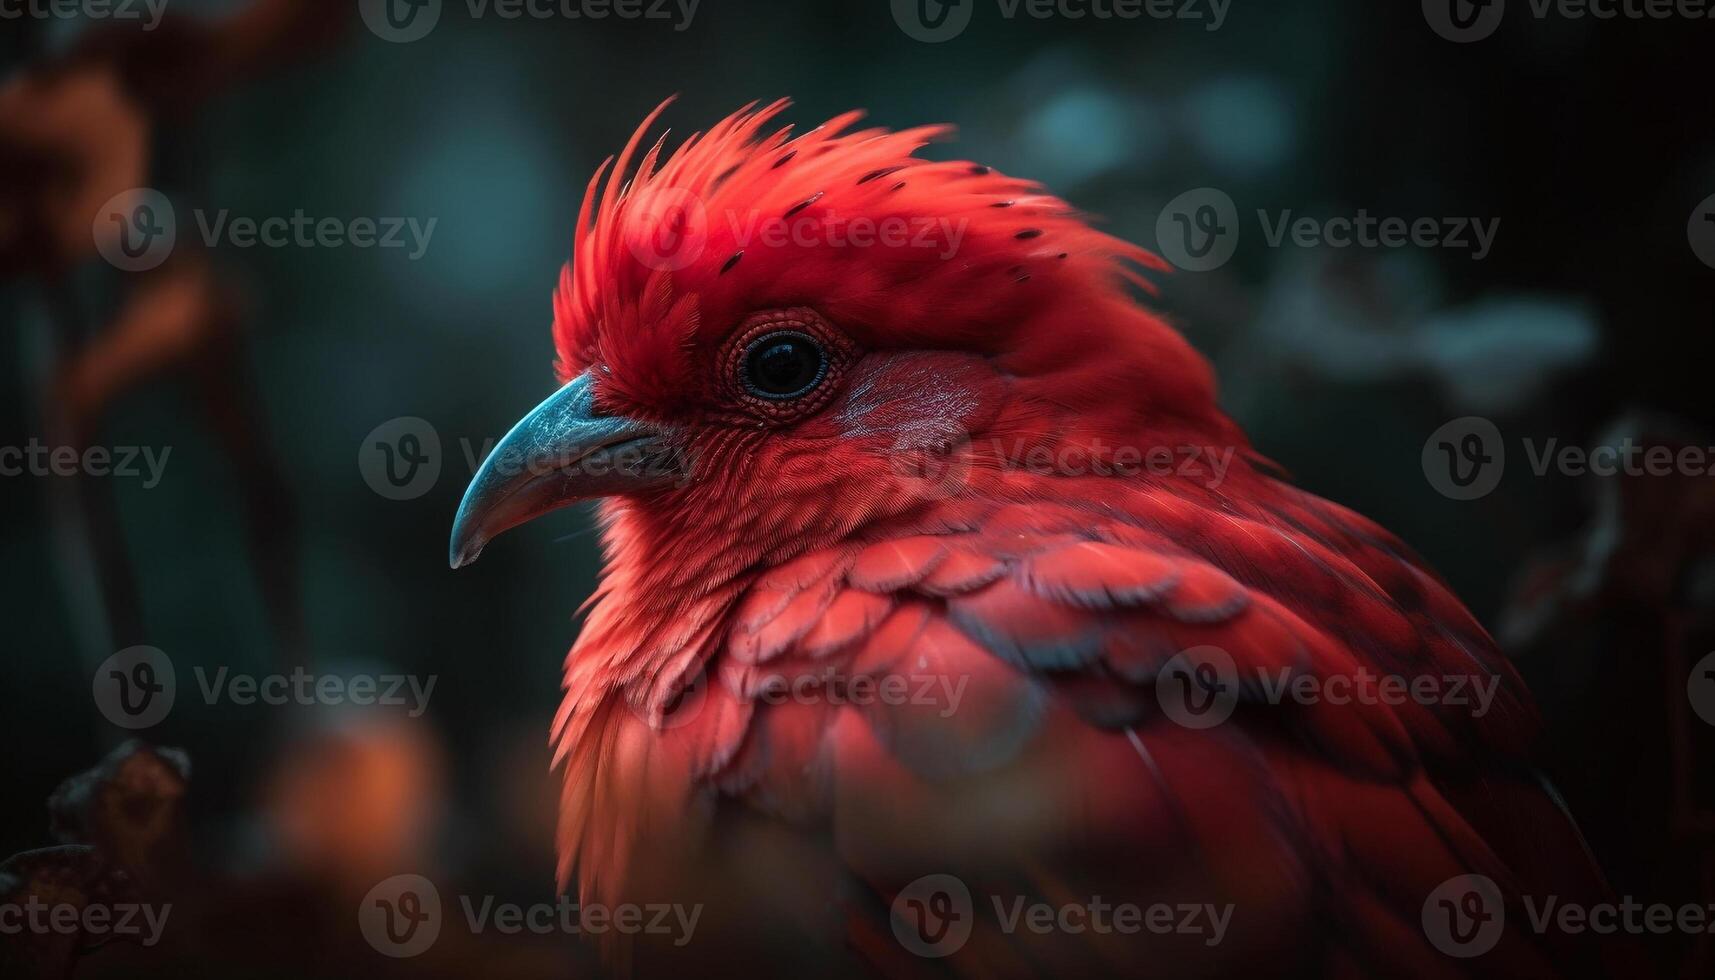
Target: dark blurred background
[[265, 370]]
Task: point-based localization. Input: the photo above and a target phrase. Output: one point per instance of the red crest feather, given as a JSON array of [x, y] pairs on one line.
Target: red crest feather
[[900, 251]]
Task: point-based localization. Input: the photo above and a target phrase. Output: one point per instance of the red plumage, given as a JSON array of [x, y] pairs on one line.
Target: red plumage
[[898, 528]]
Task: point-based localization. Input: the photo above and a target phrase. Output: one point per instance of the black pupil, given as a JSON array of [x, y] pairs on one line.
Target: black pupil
[[784, 366]]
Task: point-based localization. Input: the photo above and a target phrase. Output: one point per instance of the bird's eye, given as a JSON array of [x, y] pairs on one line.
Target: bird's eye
[[784, 365]]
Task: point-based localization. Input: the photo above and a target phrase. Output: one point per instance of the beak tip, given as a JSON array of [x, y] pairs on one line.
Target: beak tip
[[463, 551], [559, 453]]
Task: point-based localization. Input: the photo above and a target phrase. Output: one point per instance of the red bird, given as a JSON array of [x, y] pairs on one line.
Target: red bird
[[949, 625]]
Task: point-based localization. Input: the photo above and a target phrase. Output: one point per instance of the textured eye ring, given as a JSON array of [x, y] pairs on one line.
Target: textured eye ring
[[785, 403], [784, 365]]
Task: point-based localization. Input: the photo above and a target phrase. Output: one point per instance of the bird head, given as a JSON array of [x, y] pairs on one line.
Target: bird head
[[767, 341]]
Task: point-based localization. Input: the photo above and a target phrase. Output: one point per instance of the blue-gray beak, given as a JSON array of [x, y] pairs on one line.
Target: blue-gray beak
[[560, 453]]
